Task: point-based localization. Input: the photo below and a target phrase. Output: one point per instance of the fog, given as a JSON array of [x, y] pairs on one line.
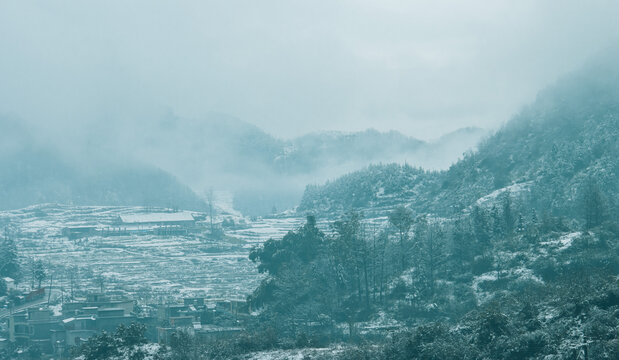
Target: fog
[[423, 68], [143, 81]]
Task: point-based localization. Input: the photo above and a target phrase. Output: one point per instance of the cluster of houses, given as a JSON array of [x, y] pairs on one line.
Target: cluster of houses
[[54, 330], [159, 223]]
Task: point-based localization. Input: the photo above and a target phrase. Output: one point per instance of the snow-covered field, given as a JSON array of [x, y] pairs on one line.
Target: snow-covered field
[[142, 265]]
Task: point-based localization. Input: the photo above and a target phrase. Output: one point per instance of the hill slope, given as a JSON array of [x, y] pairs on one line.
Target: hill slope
[[512, 253], [551, 149], [33, 173]]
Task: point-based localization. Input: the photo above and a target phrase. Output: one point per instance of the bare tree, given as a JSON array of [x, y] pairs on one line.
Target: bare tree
[[593, 205], [100, 282], [210, 198], [434, 252], [73, 280], [402, 219]]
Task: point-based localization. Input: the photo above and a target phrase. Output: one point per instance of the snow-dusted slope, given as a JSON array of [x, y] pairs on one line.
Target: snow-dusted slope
[[168, 265]]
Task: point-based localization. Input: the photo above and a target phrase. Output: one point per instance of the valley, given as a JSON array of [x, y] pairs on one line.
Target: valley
[[150, 267]]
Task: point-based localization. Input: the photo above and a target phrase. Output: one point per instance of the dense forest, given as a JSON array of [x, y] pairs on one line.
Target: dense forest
[[511, 253]]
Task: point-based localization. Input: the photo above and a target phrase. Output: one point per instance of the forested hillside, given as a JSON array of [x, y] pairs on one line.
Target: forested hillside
[[546, 153], [512, 253], [34, 173]]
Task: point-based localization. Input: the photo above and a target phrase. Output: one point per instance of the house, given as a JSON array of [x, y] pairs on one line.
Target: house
[[53, 334], [10, 283], [214, 332], [197, 302], [18, 328], [79, 231], [109, 319], [165, 312], [41, 323], [163, 223], [96, 302]]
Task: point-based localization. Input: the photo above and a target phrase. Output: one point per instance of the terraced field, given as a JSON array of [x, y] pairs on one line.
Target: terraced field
[[144, 266]]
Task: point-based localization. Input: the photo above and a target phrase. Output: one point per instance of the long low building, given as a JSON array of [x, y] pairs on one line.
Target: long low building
[[159, 223], [182, 218]]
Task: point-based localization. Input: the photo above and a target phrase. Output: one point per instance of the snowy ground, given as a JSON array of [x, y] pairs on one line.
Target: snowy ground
[[513, 190], [165, 266], [296, 354]]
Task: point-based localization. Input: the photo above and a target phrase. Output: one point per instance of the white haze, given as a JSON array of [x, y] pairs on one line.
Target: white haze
[[423, 68], [124, 82]]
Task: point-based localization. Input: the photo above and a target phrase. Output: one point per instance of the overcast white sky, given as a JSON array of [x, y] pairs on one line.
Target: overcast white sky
[[290, 67]]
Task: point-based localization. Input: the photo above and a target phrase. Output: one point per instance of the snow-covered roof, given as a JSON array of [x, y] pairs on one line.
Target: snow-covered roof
[[156, 217]]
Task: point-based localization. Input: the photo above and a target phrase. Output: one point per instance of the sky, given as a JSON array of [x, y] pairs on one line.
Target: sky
[[292, 67]]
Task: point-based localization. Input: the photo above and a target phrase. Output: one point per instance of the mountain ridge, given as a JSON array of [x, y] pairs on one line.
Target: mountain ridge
[[575, 119]]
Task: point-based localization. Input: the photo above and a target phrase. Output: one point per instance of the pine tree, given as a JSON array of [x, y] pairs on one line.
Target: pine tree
[[481, 228], [433, 253], [39, 272], [508, 217], [461, 243], [402, 219], [3, 287], [520, 226], [9, 264], [593, 205], [497, 223]]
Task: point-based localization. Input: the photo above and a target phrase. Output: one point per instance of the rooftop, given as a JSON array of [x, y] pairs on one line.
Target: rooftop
[[156, 217]]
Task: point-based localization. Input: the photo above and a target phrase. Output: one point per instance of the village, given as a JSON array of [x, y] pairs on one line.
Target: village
[[104, 267], [54, 329]]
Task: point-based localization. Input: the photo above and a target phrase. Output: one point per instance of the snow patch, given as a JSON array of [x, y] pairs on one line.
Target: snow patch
[[513, 189], [525, 274], [295, 354], [564, 241], [481, 295]]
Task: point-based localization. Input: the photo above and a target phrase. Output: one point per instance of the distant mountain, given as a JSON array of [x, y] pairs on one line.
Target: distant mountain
[[320, 151], [34, 173], [545, 156], [263, 171], [138, 164]]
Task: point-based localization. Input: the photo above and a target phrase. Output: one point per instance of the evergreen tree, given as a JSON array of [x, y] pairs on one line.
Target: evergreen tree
[[497, 223], [432, 253], [520, 225], [593, 205], [461, 244], [508, 216], [39, 272], [348, 247], [121, 344], [3, 287], [402, 219], [481, 228], [9, 263]]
